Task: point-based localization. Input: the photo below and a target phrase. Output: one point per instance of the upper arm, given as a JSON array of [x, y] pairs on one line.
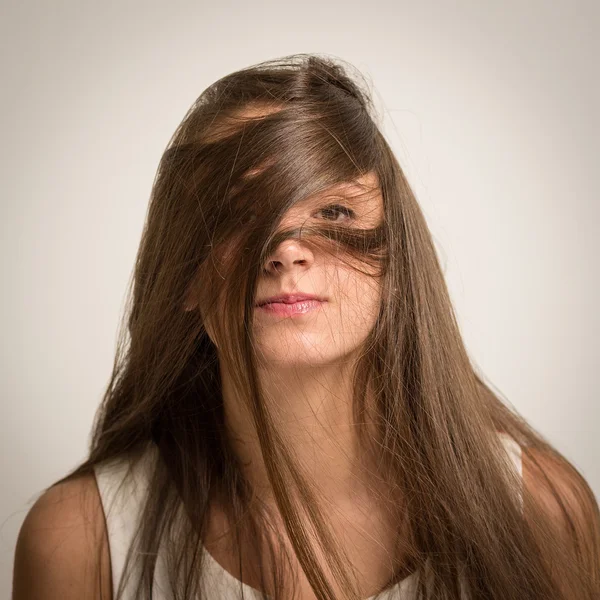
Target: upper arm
[[62, 548]]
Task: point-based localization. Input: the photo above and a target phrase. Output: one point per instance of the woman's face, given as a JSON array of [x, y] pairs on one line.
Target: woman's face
[[330, 330], [334, 328]]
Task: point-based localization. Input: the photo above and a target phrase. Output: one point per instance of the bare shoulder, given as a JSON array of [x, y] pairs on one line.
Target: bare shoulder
[[564, 495], [62, 548]]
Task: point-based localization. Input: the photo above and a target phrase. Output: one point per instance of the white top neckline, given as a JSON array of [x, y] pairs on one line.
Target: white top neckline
[[122, 499]]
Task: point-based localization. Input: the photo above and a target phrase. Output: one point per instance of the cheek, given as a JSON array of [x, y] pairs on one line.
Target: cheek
[[359, 298]]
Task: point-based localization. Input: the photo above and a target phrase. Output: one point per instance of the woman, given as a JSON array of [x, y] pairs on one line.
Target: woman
[[294, 412]]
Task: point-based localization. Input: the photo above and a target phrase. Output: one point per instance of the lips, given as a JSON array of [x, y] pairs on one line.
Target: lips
[[290, 299]]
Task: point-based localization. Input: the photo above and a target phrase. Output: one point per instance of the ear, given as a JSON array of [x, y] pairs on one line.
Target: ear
[[188, 307], [190, 303]]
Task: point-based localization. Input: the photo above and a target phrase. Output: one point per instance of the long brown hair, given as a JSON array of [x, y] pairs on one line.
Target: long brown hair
[[252, 145]]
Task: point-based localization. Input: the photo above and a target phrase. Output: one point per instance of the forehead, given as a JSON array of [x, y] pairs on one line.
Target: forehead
[[364, 188]]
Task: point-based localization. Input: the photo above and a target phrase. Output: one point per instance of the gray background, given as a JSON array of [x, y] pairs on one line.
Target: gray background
[[492, 109]]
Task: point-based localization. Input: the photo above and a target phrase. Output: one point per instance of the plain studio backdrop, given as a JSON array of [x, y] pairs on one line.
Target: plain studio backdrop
[[491, 108]]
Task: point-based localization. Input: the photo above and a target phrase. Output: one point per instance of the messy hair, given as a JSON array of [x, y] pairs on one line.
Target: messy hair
[[253, 145]]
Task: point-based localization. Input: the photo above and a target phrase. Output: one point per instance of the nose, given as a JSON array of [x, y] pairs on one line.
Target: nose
[[289, 255]]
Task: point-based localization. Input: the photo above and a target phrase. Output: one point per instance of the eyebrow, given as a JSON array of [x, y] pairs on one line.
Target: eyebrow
[[365, 193]]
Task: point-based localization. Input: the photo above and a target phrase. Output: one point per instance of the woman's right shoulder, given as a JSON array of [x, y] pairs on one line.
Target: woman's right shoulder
[[62, 548]]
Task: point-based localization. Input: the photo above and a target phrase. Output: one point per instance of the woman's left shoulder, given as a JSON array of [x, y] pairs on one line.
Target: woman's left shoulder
[[561, 492]]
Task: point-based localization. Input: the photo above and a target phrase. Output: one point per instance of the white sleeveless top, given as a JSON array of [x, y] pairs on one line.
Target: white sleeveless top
[[122, 498]]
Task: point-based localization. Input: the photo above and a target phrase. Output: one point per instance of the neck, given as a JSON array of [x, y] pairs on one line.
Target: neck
[[311, 408]]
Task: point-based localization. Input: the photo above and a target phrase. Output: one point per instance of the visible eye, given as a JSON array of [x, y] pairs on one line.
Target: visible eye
[[337, 209]]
